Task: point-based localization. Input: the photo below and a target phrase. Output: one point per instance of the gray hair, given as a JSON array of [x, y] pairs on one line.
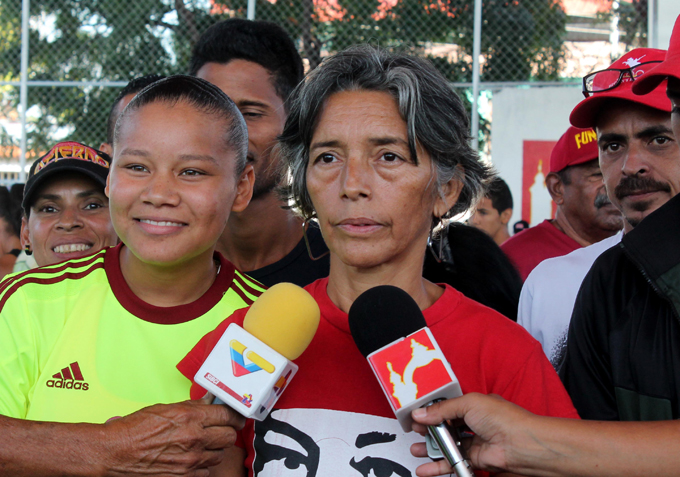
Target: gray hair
[[435, 118]]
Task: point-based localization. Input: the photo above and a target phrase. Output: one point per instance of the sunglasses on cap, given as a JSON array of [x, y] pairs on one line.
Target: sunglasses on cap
[[605, 80]]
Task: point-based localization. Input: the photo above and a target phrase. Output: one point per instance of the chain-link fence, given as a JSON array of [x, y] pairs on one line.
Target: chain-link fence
[[78, 53]]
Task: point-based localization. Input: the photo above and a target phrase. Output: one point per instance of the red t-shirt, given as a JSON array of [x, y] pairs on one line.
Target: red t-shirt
[[334, 413], [531, 246]]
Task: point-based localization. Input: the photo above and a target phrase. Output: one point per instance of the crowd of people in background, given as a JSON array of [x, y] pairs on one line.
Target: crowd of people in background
[[123, 265]]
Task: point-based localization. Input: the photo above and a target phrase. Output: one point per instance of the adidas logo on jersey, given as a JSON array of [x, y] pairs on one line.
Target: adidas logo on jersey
[[69, 378]]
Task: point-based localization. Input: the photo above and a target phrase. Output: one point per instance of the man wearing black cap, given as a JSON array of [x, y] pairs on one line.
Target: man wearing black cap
[[66, 213]]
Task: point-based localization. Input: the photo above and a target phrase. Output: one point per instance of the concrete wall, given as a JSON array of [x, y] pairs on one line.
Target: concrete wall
[[668, 12], [520, 115]]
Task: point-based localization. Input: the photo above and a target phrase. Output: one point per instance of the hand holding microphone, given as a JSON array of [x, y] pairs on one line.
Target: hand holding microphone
[[500, 428], [390, 331], [250, 367]]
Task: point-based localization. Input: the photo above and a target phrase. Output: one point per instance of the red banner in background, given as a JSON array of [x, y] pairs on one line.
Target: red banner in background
[[536, 202]]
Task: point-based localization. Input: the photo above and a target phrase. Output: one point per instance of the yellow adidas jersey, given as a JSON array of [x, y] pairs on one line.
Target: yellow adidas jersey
[[76, 345]]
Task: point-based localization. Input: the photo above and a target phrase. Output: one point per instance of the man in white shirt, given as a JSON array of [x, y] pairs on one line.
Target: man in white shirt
[[549, 293]]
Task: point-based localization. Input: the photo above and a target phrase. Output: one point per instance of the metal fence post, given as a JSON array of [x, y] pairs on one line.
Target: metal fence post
[[539, 47], [23, 91], [652, 24], [476, 52]]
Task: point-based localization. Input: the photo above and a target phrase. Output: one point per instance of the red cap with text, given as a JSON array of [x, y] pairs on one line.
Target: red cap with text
[[586, 112], [576, 146], [669, 67]]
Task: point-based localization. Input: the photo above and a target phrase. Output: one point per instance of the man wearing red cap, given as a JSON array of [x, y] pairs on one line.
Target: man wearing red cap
[[550, 291], [509, 438], [623, 352], [584, 213]]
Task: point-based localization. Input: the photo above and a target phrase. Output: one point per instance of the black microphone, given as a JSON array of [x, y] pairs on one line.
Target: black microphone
[[390, 331]]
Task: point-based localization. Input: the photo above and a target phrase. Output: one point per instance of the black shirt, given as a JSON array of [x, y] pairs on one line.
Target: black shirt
[[623, 351], [297, 267]]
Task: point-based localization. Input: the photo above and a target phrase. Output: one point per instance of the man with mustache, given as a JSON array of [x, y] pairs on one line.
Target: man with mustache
[[622, 358], [584, 215], [509, 438]]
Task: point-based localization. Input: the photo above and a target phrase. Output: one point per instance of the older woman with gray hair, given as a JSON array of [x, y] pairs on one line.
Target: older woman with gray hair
[[377, 148]]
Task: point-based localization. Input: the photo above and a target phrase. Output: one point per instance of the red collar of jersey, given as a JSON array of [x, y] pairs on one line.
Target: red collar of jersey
[[165, 315]]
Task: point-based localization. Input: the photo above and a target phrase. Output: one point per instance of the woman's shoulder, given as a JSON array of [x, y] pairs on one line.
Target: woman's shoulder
[[317, 287], [456, 314]]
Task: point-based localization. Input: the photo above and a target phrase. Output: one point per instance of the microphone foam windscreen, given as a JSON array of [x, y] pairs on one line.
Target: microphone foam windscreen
[[285, 318], [382, 315]]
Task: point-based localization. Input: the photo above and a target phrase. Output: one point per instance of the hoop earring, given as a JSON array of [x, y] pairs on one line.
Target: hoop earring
[[309, 248], [430, 247], [28, 250]]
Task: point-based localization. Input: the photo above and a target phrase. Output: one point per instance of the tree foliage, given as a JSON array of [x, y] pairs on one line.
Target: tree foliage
[[116, 40], [92, 40], [632, 21]]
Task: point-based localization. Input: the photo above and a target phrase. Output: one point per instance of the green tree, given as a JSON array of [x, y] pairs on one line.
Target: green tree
[[632, 22], [116, 40], [521, 39], [93, 40]]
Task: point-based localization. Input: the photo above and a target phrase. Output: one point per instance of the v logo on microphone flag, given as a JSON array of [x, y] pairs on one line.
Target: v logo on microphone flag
[[410, 368], [238, 364]]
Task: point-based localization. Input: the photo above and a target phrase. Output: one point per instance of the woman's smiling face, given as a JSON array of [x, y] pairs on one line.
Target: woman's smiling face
[[69, 219]]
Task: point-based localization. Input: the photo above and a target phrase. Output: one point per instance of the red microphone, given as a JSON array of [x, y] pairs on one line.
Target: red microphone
[[390, 331]]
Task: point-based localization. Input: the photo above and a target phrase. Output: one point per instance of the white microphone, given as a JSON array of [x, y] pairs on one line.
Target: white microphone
[[250, 367]]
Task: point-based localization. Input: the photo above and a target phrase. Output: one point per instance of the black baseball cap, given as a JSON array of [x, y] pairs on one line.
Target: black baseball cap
[[66, 157]]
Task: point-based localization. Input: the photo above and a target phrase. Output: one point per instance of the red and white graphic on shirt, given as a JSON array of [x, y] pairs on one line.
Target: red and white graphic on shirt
[[410, 368]]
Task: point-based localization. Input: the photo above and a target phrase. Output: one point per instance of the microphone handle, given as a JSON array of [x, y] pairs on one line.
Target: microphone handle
[[449, 447], [217, 400]]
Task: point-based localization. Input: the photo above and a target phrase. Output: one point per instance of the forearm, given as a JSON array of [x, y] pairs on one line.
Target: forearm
[[29, 448], [565, 447]]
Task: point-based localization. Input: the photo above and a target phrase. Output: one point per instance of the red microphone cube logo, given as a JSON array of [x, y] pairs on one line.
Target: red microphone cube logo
[[410, 368]]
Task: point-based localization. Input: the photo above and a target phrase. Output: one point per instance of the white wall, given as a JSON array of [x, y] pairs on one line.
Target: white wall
[[668, 12], [526, 114]]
